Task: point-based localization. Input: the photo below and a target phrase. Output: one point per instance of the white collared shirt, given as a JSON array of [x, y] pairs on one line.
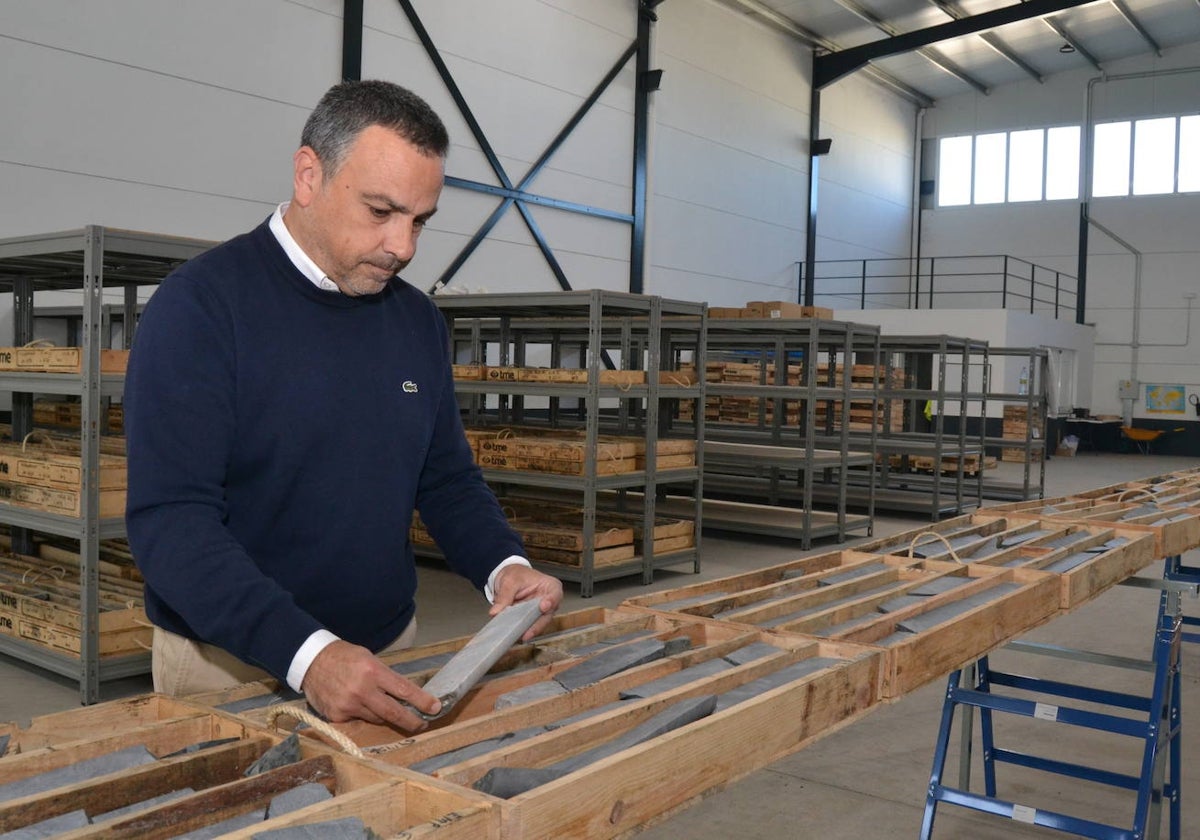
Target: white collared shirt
[[319, 640]]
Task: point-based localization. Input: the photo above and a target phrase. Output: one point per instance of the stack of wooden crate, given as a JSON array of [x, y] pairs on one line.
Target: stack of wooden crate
[[1017, 427], [45, 477], [553, 532], [40, 599], [564, 451], [66, 413]]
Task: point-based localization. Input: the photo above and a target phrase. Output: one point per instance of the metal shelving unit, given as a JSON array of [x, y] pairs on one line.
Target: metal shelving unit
[[79, 260], [590, 330], [1032, 447], [781, 464], [928, 364]]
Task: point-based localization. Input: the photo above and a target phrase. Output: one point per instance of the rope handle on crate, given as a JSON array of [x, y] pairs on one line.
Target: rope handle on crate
[[39, 342], [38, 574], [304, 716], [42, 437], [1142, 490], [912, 545], [131, 604]]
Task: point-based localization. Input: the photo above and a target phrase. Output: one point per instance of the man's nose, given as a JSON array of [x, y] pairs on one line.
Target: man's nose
[[401, 240]]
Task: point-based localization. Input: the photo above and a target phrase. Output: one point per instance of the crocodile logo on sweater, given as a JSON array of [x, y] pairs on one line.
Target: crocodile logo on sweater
[[409, 387]]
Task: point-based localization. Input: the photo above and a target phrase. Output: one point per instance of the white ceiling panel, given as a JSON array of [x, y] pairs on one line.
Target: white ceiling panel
[[1098, 28]]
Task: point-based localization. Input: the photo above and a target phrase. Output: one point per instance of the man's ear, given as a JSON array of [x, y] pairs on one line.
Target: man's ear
[[307, 175]]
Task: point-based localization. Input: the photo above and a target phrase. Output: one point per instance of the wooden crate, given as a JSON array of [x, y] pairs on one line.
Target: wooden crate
[[43, 466], [468, 373], [1176, 528], [713, 597], [936, 652], [562, 375], [557, 449], [604, 466], [631, 788], [387, 799], [848, 609], [40, 603], [1088, 579], [783, 309], [68, 413], [59, 359], [62, 502]]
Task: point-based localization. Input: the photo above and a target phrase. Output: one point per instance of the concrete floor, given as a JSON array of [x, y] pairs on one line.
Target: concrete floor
[[868, 779]]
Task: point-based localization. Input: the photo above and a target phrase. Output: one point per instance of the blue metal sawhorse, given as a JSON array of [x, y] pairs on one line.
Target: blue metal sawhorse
[[1158, 729]]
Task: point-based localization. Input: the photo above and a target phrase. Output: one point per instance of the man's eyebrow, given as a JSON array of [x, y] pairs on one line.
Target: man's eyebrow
[[393, 206], [383, 199]]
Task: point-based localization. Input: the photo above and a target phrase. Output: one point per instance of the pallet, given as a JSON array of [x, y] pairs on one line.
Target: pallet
[[388, 800]]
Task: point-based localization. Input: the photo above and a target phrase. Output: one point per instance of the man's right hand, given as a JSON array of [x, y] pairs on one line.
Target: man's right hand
[[347, 682]]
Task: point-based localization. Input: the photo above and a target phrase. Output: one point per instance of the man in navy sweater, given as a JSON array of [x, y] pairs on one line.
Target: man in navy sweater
[[289, 403]]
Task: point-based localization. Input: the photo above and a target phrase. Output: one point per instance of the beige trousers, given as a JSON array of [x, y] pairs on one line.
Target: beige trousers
[[181, 666]]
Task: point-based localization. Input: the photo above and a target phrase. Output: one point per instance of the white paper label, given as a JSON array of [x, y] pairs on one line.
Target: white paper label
[[1025, 814], [1045, 711]]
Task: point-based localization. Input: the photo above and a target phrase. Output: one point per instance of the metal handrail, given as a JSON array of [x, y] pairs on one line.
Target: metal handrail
[[877, 283]]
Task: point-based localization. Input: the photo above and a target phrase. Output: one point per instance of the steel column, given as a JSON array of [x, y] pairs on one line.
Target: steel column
[[352, 40], [810, 233]]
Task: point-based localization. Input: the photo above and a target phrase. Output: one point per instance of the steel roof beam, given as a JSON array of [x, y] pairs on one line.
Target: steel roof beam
[[806, 36], [829, 68], [1132, 20], [1058, 29], [992, 40], [935, 58]]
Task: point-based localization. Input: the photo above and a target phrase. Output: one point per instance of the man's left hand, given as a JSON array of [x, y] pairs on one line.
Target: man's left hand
[[521, 583]]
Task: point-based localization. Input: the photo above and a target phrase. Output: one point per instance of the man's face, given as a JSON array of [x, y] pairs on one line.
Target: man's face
[[361, 224]]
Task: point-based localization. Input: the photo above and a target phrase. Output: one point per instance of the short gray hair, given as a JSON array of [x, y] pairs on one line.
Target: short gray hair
[[348, 108]]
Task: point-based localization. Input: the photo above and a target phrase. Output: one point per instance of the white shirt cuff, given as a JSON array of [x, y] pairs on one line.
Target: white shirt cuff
[[304, 657], [489, 590]]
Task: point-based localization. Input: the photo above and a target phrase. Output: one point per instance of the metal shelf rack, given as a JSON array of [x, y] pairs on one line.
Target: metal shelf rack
[[79, 260], [786, 465], [937, 373], [588, 330], [1032, 446]]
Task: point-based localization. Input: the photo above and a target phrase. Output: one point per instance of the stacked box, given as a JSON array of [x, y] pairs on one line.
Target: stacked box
[[1017, 422]]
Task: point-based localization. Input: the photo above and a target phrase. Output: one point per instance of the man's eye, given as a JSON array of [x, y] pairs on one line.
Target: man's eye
[[380, 212]]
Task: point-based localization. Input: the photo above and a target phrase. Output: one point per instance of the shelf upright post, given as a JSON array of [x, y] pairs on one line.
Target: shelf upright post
[[22, 401], [89, 510], [650, 491], [812, 383], [595, 310]]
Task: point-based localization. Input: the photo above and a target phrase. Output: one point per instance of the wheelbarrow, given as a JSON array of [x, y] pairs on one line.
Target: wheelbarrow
[[1143, 438]]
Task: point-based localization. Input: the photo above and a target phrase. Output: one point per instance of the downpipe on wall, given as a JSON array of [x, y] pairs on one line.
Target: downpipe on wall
[[1086, 191]]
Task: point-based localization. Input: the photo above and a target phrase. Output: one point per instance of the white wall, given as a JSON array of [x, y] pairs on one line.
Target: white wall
[[1163, 228], [1000, 329], [180, 118]]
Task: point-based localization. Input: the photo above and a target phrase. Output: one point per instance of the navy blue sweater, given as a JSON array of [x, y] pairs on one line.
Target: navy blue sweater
[[279, 438]]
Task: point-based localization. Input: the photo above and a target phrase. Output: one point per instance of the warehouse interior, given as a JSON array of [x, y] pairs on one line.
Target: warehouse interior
[[986, 211]]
